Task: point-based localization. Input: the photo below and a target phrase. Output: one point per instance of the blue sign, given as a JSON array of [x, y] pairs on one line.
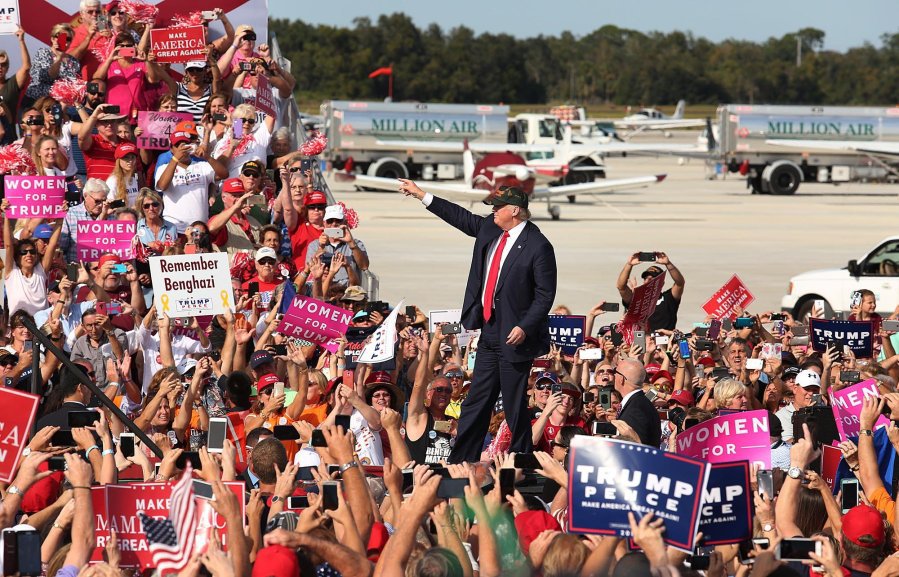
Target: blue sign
[[567, 332], [857, 335], [607, 479], [726, 515]]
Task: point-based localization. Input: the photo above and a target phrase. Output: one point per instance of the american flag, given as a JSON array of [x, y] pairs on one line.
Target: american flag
[[172, 540]]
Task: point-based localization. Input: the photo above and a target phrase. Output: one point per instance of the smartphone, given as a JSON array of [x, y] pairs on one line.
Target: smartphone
[[278, 389], [257, 200], [640, 339], [555, 389], [100, 307], [594, 354], [701, 330], [744, 323], [114, 308], [601, 429], [720, 373], [838, 347], [21, 552], [252, 289], [208, 15], [799, 341], [191, 457], [646, 256], [850, 376], [410, 312], [318, 438], [342, 421], [299, 502], [126, 52], [748, 546], [112, 109], [126, 444], [526, 461], [765, 480], [62, 41], [334, 232], [663, 414], [82, 418], [452, 488], [704, 344], [237, 127], [246, 66], [56, 463], [819, 304], [662, 340], [714, 330], [218, 429], [589, 398], [699, 562], [285, 433], [330, 501], [408, 480], [451, 328], [684, 347], [63, 438], [802, 330], [203, 490], [605, 399], [849, 497], [651, 394], [279, 350], [754, 364], [220, 117], [506, 483], [891, 326], [797, 549], [610, 307]]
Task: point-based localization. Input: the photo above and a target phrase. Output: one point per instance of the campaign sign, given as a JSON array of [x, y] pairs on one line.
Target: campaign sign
[[846, 405], [99, 237], [123, 502], [265, 100], [857, 335], [451, 316], [723, 303], [174, 45], [607, 479], [729, 438], [19, 409], [727, 505], [356, 337], [101, 522], [9, 16], [315, 321], [156, 128], [830, 462], [643, 304], [567, 332], [191, 284], [35, 196]]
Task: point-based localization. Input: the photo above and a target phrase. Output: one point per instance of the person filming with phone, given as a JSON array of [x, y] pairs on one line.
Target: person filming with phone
[[665, 315], [336, 238], [510, 291]]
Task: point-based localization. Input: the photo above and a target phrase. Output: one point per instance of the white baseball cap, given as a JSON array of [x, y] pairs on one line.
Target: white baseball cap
[[806, 379], [334, 211], [266, 252]]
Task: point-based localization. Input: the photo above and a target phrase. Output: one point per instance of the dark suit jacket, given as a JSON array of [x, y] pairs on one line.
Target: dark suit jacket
[[643, 418], [59, 417], [527, 282]]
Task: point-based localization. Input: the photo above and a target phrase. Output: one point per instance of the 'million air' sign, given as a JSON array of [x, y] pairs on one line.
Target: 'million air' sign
[[830, 129], [428, 125]]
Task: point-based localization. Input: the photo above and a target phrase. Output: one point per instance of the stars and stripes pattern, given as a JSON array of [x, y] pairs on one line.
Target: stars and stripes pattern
[[172, 540]]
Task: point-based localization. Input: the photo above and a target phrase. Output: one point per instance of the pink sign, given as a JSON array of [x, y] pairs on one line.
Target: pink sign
[[265, 100], [312, 320], [847, 407], [156, 128], [35, 196], [98, 237], [732, 295], [738, 437], [643, 304]]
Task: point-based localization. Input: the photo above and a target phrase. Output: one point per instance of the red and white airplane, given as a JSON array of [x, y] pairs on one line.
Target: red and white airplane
[[495, 169]]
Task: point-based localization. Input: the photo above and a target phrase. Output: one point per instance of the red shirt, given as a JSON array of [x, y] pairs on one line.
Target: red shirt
[[89, 62], [550, 431], [100, 158], [266, 289], [299, 242]]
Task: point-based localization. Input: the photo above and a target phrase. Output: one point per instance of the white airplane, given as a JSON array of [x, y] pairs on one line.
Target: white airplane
[[653, 119], [501, 167]]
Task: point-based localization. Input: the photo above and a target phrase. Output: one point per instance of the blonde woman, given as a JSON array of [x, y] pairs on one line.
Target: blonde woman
[[731, 394], [48, 157], [153, 231], [124, 181], [247, 139]]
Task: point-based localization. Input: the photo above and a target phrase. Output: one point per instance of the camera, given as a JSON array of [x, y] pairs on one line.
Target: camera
[[34, 121]]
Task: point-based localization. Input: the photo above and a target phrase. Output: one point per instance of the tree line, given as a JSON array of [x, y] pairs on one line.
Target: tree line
[[611, 65]]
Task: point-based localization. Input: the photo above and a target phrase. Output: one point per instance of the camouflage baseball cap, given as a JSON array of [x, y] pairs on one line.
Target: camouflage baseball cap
[[508, 195]]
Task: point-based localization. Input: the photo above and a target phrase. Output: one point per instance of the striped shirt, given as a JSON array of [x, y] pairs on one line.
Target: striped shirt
[[188, 104]]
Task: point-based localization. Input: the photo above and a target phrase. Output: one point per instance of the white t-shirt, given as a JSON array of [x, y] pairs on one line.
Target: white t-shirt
[[149, 343], [131, 189], [256, 150], [65, 142], [187, 197], [368, 442], [24, 293]]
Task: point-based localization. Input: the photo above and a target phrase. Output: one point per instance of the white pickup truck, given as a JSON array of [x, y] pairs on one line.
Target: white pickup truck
[[877, 271]]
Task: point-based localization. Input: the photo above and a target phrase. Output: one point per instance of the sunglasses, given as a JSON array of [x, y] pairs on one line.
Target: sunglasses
[[27, 251], [11, 362], [317, 207], [444, 390], [544, 387], [560, 445], [333, 221], [267, 260], [251, 174], [151, 205], [249, 121], [295, 169], [116, 13]]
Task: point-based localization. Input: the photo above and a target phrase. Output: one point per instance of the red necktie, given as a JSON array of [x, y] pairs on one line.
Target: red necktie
[[492, 276]]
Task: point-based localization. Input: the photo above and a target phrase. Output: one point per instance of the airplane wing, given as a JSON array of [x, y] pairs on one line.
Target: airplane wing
[[598, 186], [885, 148], [650, 124], [455, 192]]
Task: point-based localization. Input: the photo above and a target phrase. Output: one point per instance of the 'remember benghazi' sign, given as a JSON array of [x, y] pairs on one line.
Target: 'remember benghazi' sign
[[191, 284]]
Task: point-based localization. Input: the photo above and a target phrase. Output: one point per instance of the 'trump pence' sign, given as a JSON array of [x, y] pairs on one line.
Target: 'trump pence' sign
[[567, 332], [727, 505], [191, 284], [607, 479]]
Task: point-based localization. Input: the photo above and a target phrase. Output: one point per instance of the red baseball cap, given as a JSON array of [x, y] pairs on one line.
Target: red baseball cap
[[233, 186], [530, 524], [379, 377], [652, 369], [706, 361], [188, 126], [315, 197], [181, 136], [683, 398], [864, 521], [124, 149], [267, 381], [276, 561]]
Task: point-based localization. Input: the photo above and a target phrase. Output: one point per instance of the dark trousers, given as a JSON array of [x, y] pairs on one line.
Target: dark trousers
[[492, 374]]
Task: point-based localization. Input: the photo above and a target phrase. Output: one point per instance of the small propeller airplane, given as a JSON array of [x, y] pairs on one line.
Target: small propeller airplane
[[654, 119]]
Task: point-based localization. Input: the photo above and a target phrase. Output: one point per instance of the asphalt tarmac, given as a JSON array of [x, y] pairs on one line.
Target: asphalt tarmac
[[710, 229]]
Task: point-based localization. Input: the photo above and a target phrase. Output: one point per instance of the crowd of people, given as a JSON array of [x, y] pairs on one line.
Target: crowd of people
[[301, 417]]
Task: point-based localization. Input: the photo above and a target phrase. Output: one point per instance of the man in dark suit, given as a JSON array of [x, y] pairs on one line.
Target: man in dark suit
[[511, 288], [75, 398], [636, 410]]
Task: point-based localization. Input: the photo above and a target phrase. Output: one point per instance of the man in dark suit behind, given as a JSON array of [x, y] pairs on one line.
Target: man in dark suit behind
[[636, 410], [511, 288]]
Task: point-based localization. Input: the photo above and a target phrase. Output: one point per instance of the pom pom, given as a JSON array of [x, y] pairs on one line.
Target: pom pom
[[314, 145], [139, 11], [15, 160], [181, 21], [103, 47], [69, 91], [243, 267], [349, 215]]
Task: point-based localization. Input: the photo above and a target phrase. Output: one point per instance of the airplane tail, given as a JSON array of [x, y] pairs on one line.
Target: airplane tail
[[679, 110], [467, 164]]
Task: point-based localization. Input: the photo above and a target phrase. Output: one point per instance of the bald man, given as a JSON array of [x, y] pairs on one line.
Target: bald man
[[636, 410]]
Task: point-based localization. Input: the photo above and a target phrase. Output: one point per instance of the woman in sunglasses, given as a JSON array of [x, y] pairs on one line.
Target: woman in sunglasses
[[25, 279], [127, 78], [247, 140], [153, 231]]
